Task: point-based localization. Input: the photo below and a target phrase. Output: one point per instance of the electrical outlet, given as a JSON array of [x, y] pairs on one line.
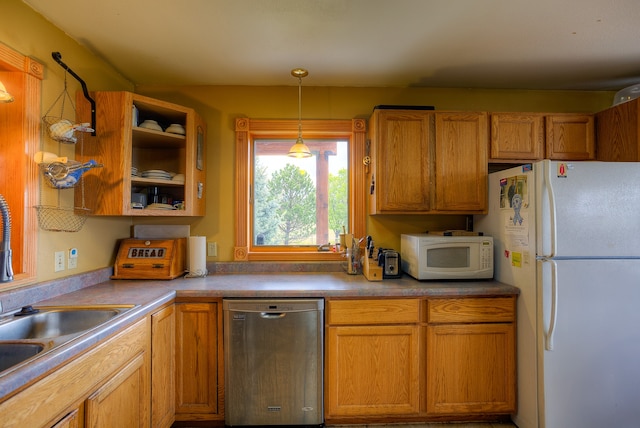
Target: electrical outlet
[[212, 249], [59, 261], [72, 263]]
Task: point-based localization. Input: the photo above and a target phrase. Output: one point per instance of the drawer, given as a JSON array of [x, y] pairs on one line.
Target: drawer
[[373, 311], [471, 310]]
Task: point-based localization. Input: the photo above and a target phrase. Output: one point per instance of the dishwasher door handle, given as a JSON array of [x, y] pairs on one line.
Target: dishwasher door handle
[[272, 315]]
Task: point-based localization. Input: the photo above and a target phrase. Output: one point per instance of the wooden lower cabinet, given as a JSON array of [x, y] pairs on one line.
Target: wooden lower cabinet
[[470, 369], [123, 400], [72, 420], [442, 359], [108, 386], [199, 370], [163, 367], [471, 361], [372, 359], [373, 370]]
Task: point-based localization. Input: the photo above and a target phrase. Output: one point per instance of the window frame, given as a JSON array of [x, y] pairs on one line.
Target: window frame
[[247, 130], [23, 78]]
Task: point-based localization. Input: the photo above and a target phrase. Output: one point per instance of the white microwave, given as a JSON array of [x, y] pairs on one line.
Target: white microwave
[[427, 256]]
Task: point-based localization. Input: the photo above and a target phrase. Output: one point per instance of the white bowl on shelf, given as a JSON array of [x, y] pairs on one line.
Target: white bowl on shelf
[[151, 124], [176, 128]]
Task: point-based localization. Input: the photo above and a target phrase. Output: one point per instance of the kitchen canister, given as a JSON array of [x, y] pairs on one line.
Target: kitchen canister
[[197, 257]]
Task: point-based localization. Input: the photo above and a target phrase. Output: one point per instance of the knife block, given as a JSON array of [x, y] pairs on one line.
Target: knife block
[[371, 270]]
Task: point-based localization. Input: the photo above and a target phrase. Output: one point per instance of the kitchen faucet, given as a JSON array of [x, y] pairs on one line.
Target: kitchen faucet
[[6, 272]]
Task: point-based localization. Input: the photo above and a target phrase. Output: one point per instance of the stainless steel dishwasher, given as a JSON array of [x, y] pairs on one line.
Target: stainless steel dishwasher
[[273, 351]]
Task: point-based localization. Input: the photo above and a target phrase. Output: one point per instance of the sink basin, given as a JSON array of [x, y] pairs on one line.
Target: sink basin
[[15, 353], [53, 322], [26, 336]]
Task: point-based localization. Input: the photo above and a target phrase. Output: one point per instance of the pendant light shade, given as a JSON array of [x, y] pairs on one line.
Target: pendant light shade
[[299, 149], [5, 97]]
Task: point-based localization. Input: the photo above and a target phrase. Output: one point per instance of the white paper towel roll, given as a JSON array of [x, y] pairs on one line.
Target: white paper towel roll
[[197, 256]]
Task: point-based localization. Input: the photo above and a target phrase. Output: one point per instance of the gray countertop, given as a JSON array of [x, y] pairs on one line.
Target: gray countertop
[[149, 295]]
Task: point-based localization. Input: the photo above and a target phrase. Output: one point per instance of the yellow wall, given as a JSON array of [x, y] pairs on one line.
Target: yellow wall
[[221, 105], [28, 33]]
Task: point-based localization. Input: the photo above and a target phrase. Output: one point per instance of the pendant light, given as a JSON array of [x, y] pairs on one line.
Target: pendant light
[[5, 97], [299, 149]]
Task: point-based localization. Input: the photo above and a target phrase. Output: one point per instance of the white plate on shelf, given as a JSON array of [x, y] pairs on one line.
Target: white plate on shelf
[[156, 174], [167, 177], [160, 207]]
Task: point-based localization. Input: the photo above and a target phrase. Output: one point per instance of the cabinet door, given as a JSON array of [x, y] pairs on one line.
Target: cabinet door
[[121, 402], [163, 398], [195, 191], [372, 371], [471, 368], [197, 337], [72, 420], [516, 136], [570, 137], [617, 133], [461, 162], [401, 161]]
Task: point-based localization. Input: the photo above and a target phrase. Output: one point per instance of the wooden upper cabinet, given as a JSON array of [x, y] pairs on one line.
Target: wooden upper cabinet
[[461, 162], [428, 162], [570, 137], [517, 136], [401, 160], [122, 148], [525, 137], [617, 133]]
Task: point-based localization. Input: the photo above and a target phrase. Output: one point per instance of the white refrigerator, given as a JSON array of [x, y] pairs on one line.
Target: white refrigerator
[[567, 234]]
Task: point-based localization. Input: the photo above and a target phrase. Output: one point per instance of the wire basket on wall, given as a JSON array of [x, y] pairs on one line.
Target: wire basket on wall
[[59, 219], [58, 128], [64, 175]]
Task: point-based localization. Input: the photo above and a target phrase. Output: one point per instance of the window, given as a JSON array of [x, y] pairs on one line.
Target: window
[[326, 190], [299, 202]]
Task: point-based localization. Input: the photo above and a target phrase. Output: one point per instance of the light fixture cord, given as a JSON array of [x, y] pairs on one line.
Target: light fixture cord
[[299, 108]]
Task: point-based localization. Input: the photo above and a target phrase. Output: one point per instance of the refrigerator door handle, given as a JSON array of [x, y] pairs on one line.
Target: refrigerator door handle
[[553, 313], [551, 214]]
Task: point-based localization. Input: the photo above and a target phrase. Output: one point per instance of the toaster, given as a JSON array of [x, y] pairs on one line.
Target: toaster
[[390, 262]]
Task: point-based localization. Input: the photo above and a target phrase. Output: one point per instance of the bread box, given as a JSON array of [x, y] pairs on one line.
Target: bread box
[[150, 259]]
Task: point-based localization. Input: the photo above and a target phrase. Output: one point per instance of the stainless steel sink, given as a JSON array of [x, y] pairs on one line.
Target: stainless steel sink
[[15, 353], [54, 322], [27, 334]]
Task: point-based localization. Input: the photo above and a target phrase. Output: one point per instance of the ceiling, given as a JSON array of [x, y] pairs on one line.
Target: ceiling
[[525, 44]]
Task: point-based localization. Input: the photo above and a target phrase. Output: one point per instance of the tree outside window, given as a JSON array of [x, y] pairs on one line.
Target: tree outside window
[[299, 202]]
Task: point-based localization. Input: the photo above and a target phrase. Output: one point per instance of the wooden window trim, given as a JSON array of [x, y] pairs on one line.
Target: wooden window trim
[[247, 130], [20, 140]]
